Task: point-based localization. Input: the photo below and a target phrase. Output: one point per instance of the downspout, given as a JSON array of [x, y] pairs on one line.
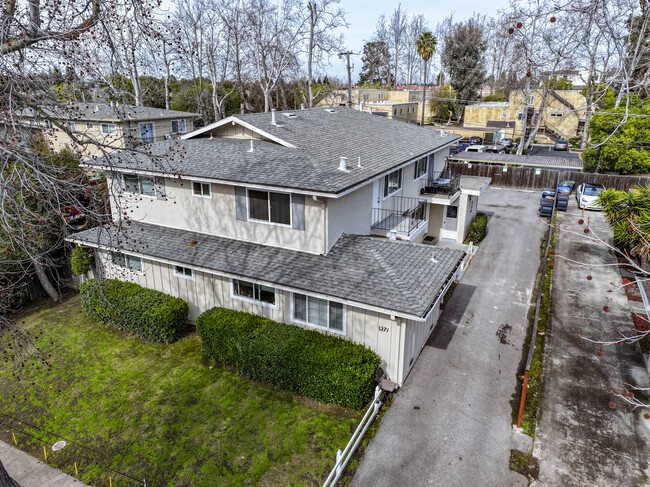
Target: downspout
[[323, 201]]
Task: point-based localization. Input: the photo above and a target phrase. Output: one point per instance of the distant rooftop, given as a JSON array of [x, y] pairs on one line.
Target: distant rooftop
[[494, 104], [104, 112]]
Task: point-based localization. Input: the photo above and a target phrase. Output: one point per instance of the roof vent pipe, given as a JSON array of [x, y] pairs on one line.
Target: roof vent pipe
[[343, 165], [273, 116], [392, 235], [302, 106], [442, 131], [251, 149], [359, 162]]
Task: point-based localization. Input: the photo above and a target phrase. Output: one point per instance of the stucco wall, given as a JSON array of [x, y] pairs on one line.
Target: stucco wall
[[216, 216], [373, 329], [351, 214]]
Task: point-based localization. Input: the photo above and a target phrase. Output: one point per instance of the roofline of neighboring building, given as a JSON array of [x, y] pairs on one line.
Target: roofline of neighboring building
[[347, 302], [62, 116]]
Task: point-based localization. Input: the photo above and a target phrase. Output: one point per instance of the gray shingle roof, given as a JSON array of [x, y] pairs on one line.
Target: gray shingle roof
[[393, 275], [320, 139], [103, 112]]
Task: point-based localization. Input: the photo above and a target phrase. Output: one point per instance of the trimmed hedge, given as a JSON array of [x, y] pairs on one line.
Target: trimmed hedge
[[478, 228], [80, 261], [137, 310], [322, 367]]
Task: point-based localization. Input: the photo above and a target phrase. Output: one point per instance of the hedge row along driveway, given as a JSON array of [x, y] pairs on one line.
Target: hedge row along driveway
[[159, 412]]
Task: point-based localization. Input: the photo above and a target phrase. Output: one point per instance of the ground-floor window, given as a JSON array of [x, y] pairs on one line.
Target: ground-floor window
[[127, 261], [318, 312], [184, 272], [254, 292]]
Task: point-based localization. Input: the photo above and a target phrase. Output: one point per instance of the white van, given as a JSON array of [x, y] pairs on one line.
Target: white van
[[476, 148]]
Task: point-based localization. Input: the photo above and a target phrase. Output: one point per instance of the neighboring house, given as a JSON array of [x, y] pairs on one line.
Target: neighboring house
[[114, 126], [312, 217], [365, 98], [563, 117]]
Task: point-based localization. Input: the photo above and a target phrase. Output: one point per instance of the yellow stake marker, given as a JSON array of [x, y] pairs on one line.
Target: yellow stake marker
[[14, 438], [45, 454], [110, 482], [75, 469]]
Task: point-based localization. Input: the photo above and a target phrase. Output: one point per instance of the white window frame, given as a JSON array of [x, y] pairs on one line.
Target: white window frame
[[401, 183], [202, 183], [530, 100], [275, 305], [182, 275], [269, 222], [318, 327], [90, 125], [109, 128], [126, 266], [504, 114], [366, 97], [139, 193], [177, 120], [556, 114], [47, 123], [71, 125], [153, 132], [426, 168], [381, 96]]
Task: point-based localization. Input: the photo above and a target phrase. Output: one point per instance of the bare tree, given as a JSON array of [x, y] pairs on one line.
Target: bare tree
[[397, 31], [413, 61], [325, 16], [277, 33]]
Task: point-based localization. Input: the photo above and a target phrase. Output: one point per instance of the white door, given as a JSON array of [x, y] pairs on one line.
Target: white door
[[450, 223]]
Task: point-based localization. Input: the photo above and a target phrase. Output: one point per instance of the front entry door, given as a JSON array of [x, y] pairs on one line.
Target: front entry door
[[450, 223]]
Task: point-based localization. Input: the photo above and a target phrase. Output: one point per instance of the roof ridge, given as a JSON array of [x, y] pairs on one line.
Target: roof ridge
[[401, 285]]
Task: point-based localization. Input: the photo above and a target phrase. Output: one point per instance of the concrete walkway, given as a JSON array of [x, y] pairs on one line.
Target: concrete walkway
[[30, 472], [580, 440], [450, 425]]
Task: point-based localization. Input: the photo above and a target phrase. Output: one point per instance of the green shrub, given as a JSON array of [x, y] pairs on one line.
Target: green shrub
[[132, 308], [323, 367], [80, 261], [478, 228]]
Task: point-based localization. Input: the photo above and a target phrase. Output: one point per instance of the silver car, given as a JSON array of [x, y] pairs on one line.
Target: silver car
[[561, 145], [587, 194]]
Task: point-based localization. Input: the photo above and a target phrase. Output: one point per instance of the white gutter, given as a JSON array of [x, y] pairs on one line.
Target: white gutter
[[229, 275]]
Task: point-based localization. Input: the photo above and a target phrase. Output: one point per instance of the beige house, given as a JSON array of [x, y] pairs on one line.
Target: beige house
[[93, 129], [563, 117], [315, 218], [364, 99]]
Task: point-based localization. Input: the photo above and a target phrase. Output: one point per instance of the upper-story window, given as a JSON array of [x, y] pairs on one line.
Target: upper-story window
[[381, 96], [146, 132], [318, 312], [127, 261], [556, 114], [530, 100], [89, 125], [204, 190], [420, 167], [137, 184], [178, 126], [392, 183], [71, 126], [184, 272], [109, 128], [269, 206], [366, 97], [504, 114], [48, 124]]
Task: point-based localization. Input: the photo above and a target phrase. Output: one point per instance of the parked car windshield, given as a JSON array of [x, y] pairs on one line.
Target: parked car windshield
[[592, 191]]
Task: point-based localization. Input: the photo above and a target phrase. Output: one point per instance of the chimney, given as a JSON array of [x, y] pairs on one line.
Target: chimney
[[273, 116], [302, 106], [343, 165]]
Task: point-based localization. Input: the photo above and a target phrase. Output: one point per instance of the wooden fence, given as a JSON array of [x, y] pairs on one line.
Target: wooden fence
[[538, 179]]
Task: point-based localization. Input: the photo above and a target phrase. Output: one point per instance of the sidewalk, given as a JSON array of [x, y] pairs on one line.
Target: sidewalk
[[30, 472]]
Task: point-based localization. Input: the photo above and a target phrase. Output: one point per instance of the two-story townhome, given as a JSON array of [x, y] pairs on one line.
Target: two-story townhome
[[314, 218], [92, 129]]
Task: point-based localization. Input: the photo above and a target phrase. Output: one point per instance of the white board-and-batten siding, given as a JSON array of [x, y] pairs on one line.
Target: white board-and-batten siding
[[378, 331]]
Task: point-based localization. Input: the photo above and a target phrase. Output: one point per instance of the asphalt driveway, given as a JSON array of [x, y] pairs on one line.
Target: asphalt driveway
[[450, 425], [580, 439]]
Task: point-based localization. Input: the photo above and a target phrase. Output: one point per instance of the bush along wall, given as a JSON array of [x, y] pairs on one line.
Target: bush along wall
[[478, 228], [322, 367], [134, 309]]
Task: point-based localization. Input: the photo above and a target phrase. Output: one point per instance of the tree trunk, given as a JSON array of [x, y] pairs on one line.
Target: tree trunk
[[424, 93], [51, 291], [5, 480], [135, 77], [167, 76], [310, 53], [540, 115], [524, 118]]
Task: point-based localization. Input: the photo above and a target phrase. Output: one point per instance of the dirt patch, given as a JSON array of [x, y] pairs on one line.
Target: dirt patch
[[641, 325], [503, 334], [631, 290], [525, 464]]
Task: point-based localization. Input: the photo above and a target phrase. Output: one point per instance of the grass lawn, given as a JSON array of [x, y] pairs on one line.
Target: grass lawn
[[155, 411]]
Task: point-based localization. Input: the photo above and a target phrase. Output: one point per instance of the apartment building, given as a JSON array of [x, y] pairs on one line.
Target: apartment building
[[315, 218]]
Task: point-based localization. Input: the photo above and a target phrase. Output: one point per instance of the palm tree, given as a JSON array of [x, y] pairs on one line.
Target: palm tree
[[426, 45]]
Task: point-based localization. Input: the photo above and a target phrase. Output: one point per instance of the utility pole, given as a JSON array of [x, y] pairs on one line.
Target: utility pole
[[347, 55]]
